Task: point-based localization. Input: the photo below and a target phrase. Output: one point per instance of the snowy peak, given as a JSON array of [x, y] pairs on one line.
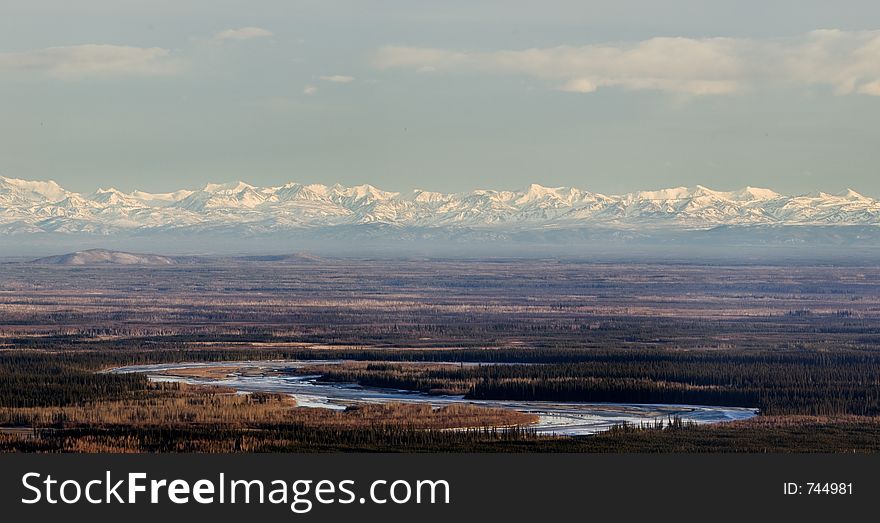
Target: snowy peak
[[160, 199], [754, 193], [539, 192], [235, 195], [27, 207], [850, 194], [675, 193], [421, 196], [361, 193], [113, 197], [699, 191], [227, 188], [33, 191]]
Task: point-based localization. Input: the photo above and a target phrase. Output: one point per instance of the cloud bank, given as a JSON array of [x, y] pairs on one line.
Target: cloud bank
[[338, 78], [244, 33], [92, 59], [847, 62], [76, 61]]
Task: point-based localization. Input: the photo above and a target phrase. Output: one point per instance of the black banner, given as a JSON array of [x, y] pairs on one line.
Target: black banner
[[436, 487]]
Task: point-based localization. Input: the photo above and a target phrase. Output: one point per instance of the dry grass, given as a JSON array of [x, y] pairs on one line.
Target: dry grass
[[782, 422], [208, 373], [189, 406]]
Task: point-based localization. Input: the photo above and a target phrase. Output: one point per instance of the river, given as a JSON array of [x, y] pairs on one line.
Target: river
[[572, 419]]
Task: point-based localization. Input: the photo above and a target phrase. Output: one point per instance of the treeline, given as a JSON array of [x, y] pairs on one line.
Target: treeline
[[801, 382], [282, 438], [378, 326], [814, 383], [812, 435], [777, 382], [37, 379]]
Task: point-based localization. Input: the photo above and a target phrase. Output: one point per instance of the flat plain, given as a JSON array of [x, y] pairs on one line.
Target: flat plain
[[799, 343]]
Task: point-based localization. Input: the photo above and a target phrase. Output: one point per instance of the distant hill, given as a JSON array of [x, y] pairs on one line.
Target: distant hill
[[110, 257], [282, 258], [106, 257]]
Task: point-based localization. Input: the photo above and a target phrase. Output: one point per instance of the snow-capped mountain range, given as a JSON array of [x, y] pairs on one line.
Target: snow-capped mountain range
[[30, 207]]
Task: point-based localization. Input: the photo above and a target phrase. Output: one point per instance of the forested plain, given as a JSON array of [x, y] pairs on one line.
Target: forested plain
[[801, 343]]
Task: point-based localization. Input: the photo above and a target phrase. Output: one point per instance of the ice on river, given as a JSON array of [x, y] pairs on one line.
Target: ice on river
[[574, 419]]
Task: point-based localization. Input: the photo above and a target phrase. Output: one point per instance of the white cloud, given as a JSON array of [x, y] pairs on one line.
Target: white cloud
[[848, 62], [310, 90], [579, 85], [338, 78], [872, 88], [93, 59], [243, 33]]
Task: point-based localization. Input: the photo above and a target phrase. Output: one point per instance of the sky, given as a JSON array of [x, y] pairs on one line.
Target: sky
[[609, 95]]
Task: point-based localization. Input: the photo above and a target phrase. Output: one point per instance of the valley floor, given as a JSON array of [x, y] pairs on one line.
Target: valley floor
[[801, 344]]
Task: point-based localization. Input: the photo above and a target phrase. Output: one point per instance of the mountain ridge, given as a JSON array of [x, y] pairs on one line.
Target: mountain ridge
[[33, 207]]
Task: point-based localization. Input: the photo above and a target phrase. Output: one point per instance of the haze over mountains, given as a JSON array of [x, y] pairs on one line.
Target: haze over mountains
[[43, 217]]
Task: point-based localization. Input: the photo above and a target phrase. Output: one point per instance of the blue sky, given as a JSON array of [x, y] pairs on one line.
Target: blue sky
[[610, 96]]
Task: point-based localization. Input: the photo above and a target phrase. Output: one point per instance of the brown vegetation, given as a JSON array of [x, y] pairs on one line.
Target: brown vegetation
[[185, 405], [206, 373]]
